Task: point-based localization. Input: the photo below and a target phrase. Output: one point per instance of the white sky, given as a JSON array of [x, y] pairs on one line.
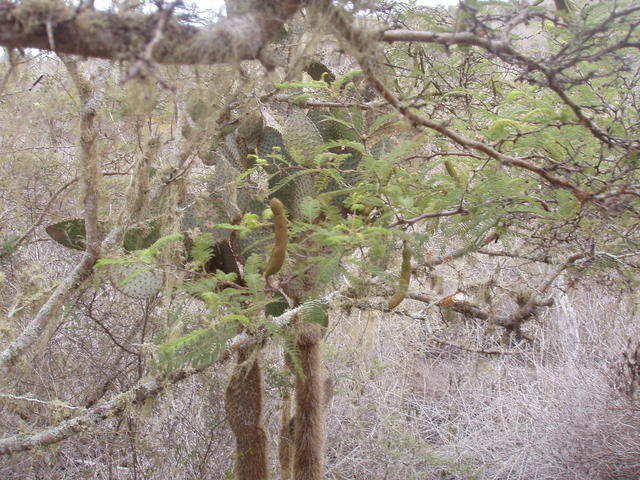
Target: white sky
[[217, 4]]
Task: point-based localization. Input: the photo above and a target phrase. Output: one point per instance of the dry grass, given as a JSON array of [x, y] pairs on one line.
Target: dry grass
[[406, 408]]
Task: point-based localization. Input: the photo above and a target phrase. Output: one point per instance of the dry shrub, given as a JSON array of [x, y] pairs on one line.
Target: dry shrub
[[408, 408]]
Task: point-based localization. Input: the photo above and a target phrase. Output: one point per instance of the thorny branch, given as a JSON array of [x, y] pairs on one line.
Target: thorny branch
[[424, 216], [343, 298], [551, 69], [138, 394], [358, 42], [513, 320]]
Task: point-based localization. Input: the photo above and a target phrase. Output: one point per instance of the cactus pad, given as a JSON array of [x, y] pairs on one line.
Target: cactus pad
[[301, 137], [137, 280], [69, 233]]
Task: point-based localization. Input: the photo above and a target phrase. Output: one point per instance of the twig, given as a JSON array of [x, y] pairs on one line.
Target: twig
[[484, 351], [462, 251], [411, 221], [52, 404], [89, 180], [84, 422], [146, 59]]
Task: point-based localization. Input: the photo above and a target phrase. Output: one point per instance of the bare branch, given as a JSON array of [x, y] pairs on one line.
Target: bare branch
[[54, 404], [424, 216], [483, 351], [90, 172], [462, 251], [84, 422]]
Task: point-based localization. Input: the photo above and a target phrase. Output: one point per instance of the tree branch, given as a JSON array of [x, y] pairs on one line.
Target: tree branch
[[116, 36], [89, 176], [84, 422], [424, 216]]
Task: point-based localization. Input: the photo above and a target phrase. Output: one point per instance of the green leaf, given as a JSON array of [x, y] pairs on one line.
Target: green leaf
[[161, 242], [514, 95], [312, 84], [202, 249], [242, 319], [303, 98], [340, 82], [140, 238], [502, 128], [310, 208], [382, 120], [103, 262], [314, 312], [568, 205], [197, 349]]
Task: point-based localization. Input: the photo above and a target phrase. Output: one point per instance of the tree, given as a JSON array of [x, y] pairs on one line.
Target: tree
[[398, 141]]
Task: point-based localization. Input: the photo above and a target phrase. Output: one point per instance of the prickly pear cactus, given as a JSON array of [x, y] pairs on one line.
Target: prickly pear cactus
[[69, 233], [301, 137], [137, 280]]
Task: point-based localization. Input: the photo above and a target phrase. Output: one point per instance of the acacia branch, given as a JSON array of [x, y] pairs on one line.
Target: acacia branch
[[424, 216], [472, 310], [511, 321], [528, 308], [65, 30], [433, 262], [141, 392], [465, 142], [360, 42], [505, 51]]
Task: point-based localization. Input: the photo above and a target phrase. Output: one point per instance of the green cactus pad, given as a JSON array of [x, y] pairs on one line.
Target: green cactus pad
[[331, 128], [137, 280], [69, 233], [250, 129], [316, 70], [301, 137], [271, 139], [139, 238], [203, 212]]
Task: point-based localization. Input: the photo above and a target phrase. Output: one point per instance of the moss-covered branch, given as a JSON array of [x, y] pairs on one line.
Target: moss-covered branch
[[53, 26]]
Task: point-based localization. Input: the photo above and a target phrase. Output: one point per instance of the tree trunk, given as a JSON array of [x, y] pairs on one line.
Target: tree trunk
[[308, 461], [243, 403]]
